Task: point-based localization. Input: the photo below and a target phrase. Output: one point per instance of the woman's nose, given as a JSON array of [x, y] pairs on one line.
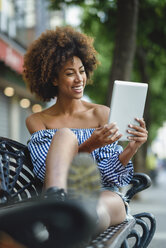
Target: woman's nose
[[78, 77]]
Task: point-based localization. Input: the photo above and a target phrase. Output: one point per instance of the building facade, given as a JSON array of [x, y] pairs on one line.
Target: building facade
[[21, 21]]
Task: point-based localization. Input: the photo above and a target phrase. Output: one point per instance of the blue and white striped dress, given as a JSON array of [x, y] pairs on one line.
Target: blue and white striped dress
[[113, 173]]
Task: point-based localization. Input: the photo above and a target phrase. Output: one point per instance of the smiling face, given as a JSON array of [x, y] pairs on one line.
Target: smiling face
[[71, 79]]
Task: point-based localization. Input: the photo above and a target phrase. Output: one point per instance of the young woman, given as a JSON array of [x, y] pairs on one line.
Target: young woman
[[59, 64]]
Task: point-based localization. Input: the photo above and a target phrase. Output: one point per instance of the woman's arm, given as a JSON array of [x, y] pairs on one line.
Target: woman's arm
[[108, 134], [103, 135]]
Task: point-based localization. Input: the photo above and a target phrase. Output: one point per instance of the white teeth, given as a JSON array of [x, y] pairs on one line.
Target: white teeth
[[78, 87]]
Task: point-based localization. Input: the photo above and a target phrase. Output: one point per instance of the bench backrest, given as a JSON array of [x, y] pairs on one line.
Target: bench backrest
[[18, 184], [17, 181]]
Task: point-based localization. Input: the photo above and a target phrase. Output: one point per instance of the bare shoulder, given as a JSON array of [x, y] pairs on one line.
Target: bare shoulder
[[100, 112], [34, 123]]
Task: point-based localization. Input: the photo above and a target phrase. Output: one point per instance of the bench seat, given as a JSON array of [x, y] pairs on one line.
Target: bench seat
[[19, 186]]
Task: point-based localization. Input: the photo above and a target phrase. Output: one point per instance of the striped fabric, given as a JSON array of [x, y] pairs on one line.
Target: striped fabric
[[113, 173]]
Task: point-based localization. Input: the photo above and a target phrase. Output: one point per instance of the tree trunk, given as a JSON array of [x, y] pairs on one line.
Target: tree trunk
[[125, 42], [139, 158], [141, 58], [123, 58]]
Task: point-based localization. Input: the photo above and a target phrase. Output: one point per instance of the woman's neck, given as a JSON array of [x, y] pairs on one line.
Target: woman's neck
[[68, 107]]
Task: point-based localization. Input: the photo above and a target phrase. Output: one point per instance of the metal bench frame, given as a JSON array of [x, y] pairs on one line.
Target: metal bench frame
[[18, 186]]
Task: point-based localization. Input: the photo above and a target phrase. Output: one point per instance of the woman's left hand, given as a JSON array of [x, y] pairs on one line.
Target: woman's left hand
[[140, 134]]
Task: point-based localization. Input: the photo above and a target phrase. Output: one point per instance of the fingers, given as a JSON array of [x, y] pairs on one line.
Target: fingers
[[108, 127], [110, 130], [114, 137], [141, 128], [138, 139], [139, 133], [109, 133], [141, 122]]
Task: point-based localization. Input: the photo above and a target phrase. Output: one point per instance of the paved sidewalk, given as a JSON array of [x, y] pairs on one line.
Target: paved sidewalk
[[153, 200]]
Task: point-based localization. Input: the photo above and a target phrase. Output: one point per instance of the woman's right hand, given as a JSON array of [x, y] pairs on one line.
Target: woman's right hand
[[105, 135]]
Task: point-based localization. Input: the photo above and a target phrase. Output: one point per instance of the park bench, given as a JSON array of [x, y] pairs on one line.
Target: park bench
[[19, 186]]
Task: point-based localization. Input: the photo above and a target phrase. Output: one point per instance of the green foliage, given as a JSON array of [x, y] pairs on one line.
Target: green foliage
[[99, 20], [57, 4], [104, 47], [152, 38]]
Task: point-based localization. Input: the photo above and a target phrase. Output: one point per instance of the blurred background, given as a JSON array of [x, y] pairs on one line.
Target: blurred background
[[130, 37]]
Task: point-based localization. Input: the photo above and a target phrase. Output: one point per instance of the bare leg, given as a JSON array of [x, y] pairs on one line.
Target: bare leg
[[63, 148], [111, 210], [110, 207]]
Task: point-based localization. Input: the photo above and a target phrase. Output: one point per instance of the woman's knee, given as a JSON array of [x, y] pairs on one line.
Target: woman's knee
[[115, 207], [65, 136], [65, 131], [119, 211]]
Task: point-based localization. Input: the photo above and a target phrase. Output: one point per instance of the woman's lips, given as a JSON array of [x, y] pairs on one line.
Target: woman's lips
[[78, 88]]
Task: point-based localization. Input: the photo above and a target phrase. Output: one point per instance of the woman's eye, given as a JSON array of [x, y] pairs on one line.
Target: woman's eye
[[82, 71], [69, 73]]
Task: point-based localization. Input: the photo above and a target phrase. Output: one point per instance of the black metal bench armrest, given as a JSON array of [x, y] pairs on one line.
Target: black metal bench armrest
[[19, 185], [148, 224], [114, 236], [139, 182]]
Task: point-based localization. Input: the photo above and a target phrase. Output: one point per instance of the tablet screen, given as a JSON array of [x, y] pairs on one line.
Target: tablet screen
[[127, 103]]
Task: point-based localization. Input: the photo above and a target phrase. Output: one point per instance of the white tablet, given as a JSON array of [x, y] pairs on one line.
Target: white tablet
[[127, 103]]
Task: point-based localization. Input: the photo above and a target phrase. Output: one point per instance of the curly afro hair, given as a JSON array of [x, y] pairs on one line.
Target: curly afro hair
[[49, 53]]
